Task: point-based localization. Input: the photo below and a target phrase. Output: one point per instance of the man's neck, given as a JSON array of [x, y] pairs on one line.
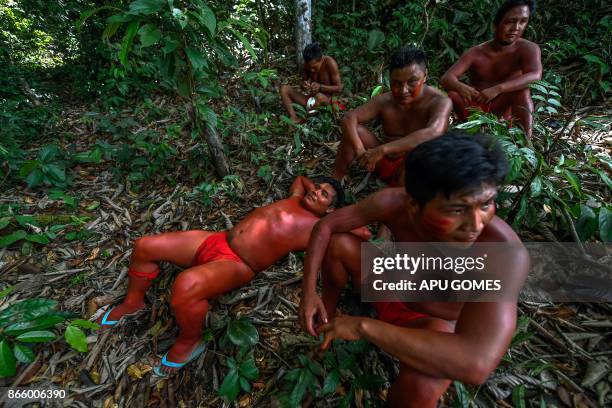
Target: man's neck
[[500, 47]]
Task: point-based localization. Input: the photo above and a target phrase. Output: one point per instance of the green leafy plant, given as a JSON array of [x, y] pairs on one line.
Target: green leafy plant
[[48, 168], [31, 321]]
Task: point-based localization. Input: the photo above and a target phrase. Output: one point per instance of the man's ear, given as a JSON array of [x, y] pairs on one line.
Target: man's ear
[[413, 206]]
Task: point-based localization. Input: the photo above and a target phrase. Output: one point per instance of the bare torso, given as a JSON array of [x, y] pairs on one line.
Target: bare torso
[[402, 228], [324, 75], [491, 67], [268, 233], [399, 121]]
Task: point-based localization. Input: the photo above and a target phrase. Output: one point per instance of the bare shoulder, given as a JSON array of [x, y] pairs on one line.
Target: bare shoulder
[[437, 99], [330, 62], [389, 199], [499, 231], [528, 45]]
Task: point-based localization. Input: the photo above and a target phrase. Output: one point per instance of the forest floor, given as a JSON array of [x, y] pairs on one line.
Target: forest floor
[[560, 354]]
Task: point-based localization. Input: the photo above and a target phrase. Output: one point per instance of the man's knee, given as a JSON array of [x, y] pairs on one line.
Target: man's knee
[[342, 245], [414, 389], [457, 99], [187, 289], [144, 248]]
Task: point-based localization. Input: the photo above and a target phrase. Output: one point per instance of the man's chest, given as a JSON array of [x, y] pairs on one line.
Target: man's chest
[[496, 67], [398, 123]]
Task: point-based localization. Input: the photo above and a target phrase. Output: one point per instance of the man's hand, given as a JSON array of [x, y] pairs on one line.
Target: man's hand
[[315, 88], [469, 93], [306, 86], [343, 327], [490, 93], [370, 158], [311, 308]]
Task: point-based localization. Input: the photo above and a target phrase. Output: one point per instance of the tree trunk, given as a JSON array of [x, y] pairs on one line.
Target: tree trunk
[[215, 147], [303, 25]]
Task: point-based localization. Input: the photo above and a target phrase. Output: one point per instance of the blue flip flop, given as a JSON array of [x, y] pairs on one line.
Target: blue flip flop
[[201, 347], [105, 322]]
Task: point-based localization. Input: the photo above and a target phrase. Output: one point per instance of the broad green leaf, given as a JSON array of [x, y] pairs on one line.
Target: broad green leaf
[[208, 19], [605, 224], [245, 41], [4, 222], [27, 310], [180, 17], [242, 333], [331, 382], [38, 238], [516, 163], [375, 39], [539, 88], [8, 364], [573, 180], [170, 45], [587, 223], [230, 386], [76, 338], [463, 396], [248, 369], [536, 186], [245, 385], [377, 91], [149, 35], [27, 167], [145, 7], [25, 220], [39, 323], [6, 291], [23, 353], [207, 114], [86, 324], [9, 239], [34, 178], [198, 61], [88, 13], [518, 396], [48, 153], [304, 381], [36, 336], [126, 43], [553, 101]]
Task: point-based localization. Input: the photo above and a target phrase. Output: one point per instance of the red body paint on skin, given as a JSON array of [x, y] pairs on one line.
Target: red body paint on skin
[[438, 225], [417, 89]]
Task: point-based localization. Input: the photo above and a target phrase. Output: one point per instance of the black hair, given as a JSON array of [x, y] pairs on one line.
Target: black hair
[[510, 4], [312, 52], [406, 56], [339, 197], [453, 162]]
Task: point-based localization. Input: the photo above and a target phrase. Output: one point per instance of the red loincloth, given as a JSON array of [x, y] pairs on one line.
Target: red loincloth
[[215, 248], [396, 313], [389, 170], [463, 116]]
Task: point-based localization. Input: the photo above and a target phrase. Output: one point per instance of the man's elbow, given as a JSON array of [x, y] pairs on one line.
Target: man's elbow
[[446, 80], [477, 372]]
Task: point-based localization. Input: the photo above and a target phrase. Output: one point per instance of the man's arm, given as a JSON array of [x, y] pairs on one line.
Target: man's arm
[[300, 186], [373, 208], [363, 114], [450, 80], [336, 81], [437, 124], [481, 337], [531, 65]]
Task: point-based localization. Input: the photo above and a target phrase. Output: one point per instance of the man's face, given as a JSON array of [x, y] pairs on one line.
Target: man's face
[[512, 25], [459, 218], [319, 200], [407, 83], [314, 65]]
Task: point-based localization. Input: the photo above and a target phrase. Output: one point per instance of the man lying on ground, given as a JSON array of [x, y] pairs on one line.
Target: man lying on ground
[[411, 113], [218, 262], [499, 70], [320, 82], [449, 196]]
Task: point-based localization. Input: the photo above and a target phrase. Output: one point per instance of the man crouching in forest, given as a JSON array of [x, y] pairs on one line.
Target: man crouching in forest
[[449, 196], [411, 113], [499, 70], [218, 262], [320, 82]]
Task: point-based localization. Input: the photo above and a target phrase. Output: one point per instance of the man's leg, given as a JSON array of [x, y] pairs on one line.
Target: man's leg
[[176, 247], [190, 295], [291, 95], [458, 105], [413, 388], [342, 260], [346, 154], [519, 103]]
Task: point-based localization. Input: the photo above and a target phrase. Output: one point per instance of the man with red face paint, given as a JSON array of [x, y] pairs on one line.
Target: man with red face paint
[[499, 70], [320, 82], [411, 113], [218, 262], [449, 196]]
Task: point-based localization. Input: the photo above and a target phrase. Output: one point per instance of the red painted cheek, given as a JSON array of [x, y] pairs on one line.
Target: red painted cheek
[[438, 225], [417, 89]]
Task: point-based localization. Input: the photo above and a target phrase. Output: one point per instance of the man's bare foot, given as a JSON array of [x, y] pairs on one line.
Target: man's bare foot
[[119, 311], [179, 353]]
